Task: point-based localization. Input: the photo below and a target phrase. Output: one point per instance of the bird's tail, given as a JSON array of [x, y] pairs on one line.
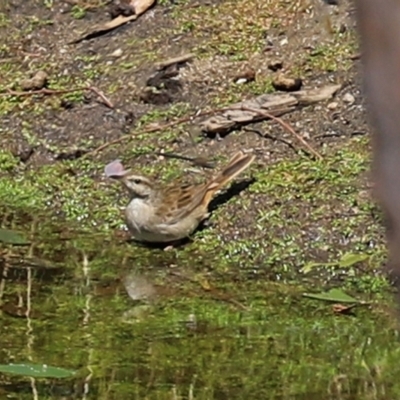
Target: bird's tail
[[237, 164]]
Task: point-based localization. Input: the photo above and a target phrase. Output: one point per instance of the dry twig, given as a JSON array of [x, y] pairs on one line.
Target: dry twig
[[152, 129], [61, 91], [179, 121], [287, 127], [176, 60]]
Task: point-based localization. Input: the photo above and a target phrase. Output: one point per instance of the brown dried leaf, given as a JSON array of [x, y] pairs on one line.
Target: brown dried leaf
[[342, 309]]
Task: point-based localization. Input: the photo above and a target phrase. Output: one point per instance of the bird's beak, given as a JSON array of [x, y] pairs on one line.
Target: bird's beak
[[115, 170]]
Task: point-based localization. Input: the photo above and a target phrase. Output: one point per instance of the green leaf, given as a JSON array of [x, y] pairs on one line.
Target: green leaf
[[347, 260], [36, 370], [335, 295], [11, 237], [308, 267], [350, 259]]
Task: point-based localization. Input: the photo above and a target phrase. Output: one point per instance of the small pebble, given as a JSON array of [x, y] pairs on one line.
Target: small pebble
[[37, 82], [117, 53], [349, 98], [333, 105], [286, 84], [284, 42]]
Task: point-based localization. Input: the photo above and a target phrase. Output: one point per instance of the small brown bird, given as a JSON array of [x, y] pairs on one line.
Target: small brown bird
[[170, 213]]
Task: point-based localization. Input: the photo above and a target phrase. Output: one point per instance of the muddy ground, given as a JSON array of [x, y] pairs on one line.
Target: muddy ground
[[227, 38]]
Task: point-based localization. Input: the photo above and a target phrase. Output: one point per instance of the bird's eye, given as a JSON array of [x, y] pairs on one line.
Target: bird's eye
[[137, 181]]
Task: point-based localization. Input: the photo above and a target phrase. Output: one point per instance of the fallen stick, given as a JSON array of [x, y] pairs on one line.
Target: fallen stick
[[152, 129], [287, 127], [61, 91], [176, 60]]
